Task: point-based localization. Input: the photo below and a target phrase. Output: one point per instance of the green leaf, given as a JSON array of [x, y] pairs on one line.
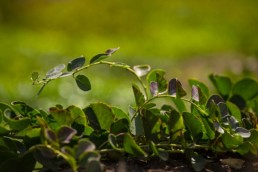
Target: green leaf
[[175, 88], [61, 116], [246, 88], [175, 124], [245, 148], [136, 123], [76, 63], [34, 76], [162, 83], [79, 118], [234, 111], [131, 147], [120, 126], [83, 82], [98, 57], [55, 72], [253, 138], [222, 84], [194, 124], [161, 153], [209, 127], [112, 141], [231, 141], [141, 70], [16, 124], [152, 75], [180, 105], [100, 116], [151, 124], [138, 95], [120, 114]]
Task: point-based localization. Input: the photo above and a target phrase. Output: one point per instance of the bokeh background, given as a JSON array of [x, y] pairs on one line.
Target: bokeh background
[[189, 39]]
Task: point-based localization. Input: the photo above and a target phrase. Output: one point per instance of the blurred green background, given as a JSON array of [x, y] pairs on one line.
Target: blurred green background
[[189, 39]]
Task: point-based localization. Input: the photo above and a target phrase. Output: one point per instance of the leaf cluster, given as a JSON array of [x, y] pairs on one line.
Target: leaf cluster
[[162, 121]]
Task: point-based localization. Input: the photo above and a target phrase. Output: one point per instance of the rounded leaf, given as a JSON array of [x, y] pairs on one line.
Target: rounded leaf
[[34, 76], [76, 63], [83, 82], [246, 88], [65, 134]]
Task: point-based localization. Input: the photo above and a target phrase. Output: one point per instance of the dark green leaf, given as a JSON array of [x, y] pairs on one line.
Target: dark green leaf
[[245, 148], [120, 114], [175, 88], [246, 88], [76, 63], [83, 82], [139, 97], [98, 57], [112, 141], [151, 124], [175, 124], [162, 83], [141, 70], [136, 123], [131, 147], [120, 126], [65, 134], [152, 75], [222, 84], [194, 124], [79, 119], [34, 76]]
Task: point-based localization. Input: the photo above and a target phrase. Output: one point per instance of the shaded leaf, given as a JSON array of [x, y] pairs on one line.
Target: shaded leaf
[[76, 63], [193, 124], [138, 95], [131, 147], [84, 146], [198, 162], [83, 82], [50, 135], [253, 138], [112, 141], [93, 166], [65, 134], [231, 141], [34, 76], [175, 124], [200, 85], [218, 127], [175, 88], [141, 70]]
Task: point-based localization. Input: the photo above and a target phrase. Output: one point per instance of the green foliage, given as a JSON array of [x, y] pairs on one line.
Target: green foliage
[[160, 123]]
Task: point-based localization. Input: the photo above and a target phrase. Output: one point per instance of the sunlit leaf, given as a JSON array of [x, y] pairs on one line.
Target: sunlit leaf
[[76, 63], [83, 82], [243, 132], [61, 116], [131, 147], [55, 72], [231, 141], [222, 84], [141, 70], [180, 105], [234, 111]]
